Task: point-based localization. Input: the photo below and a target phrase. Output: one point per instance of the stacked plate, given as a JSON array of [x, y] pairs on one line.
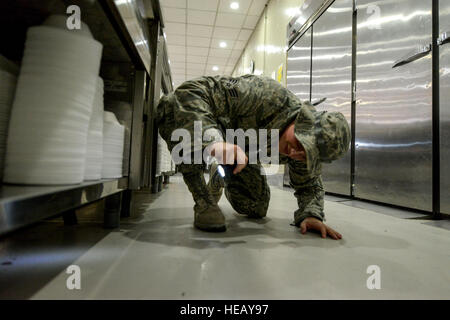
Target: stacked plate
[[113, 141], [52, 107], [94, 154], [7, 89], [163, 158]]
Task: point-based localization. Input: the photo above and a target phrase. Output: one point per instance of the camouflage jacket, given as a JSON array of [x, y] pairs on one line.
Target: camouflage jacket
[[247, 102]]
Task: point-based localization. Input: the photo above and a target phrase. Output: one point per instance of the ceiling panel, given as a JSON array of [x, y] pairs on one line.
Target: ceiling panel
[[196, 59], [231, 20], [209, 68], [177, 65], [210, 5], [216, 43], [225, 6], [195, 72], [201, 17], [195, 29], [199, 30], [176, 49], [222, 53], [245, 34], [217, 60], [251, 21], [235, 53], [175, 28], [174, 14], [195, 66], [174, 39], [198, 41], [173, 3], [257, 7], [226, 33], [197, 51], [239, 45], [177, 57]]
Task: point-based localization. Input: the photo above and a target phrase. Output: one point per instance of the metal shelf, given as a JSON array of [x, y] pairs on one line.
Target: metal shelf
[[110, 24], [22, 205], [127, 57]]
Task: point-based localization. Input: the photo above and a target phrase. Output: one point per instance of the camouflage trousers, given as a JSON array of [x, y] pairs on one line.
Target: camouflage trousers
[[247, 191]]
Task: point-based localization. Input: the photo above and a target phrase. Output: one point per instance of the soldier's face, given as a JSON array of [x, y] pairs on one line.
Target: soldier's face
[[289, 145]]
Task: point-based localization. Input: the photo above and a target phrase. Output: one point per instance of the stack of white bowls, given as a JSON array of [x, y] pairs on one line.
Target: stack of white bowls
[[94, 154], [163, 157], [7, 88], [52, 107], [113, 141]]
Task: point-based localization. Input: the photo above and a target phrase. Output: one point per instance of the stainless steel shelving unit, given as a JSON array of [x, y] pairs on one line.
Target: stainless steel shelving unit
[[23, 205], [128, 67]]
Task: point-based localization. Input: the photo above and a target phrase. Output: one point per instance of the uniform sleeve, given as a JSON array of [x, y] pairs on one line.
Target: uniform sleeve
[[190, 110], [308, 191]]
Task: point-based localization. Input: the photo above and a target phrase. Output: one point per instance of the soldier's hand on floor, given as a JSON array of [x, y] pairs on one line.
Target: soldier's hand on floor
[[227, 153], [317, 225]]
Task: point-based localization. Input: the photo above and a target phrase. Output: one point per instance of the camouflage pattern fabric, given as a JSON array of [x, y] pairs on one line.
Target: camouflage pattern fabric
[[324, 135], [250, 102], [248, 192], [195, 180]]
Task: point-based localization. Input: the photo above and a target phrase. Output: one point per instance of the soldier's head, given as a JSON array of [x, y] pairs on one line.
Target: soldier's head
[[316, 137]]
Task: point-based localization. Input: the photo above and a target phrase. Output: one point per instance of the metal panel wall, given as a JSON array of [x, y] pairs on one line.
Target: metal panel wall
[[332, 79], [393, 149], [444, 62], [299, 67]]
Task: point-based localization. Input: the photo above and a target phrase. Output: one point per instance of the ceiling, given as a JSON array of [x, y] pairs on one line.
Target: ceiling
[[195, 29]]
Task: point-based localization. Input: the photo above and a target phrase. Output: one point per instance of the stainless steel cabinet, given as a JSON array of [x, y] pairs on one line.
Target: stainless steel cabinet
[[299, 67], [444, 62], [332, 79], [393, 151]]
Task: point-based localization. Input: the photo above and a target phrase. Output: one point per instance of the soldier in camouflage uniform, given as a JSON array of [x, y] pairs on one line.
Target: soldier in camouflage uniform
[[307, 138]]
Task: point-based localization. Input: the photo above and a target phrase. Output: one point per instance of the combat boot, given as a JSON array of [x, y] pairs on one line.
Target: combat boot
[[215, 183], [210, 218], [207, 214]]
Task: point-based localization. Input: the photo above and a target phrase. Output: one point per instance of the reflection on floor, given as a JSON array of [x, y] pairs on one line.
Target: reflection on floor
[[158, 254]]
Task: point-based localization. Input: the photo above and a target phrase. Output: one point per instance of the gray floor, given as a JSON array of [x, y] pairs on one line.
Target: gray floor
[[159, 255]]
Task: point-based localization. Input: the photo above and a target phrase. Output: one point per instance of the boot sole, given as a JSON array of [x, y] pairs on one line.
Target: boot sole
[[211, 228]]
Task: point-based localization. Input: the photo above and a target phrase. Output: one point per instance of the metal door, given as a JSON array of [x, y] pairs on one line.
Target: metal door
[[393, 148], [444, 62], [332, 79], [299, 67]]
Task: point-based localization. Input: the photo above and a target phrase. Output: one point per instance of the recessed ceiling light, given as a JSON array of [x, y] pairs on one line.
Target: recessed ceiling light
[[215, 68], [234, 5], [223, 44]]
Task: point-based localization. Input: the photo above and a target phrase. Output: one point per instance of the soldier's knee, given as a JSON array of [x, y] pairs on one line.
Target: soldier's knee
[[258, 212]]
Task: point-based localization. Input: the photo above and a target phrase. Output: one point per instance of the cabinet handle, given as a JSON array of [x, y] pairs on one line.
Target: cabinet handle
[[418, 53], [444, 38], [317, 102]]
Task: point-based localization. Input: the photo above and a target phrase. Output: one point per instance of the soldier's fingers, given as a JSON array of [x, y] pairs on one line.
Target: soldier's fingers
[[334, 234], [230, 156], [239, 168], [323, 231], [303, 227]]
